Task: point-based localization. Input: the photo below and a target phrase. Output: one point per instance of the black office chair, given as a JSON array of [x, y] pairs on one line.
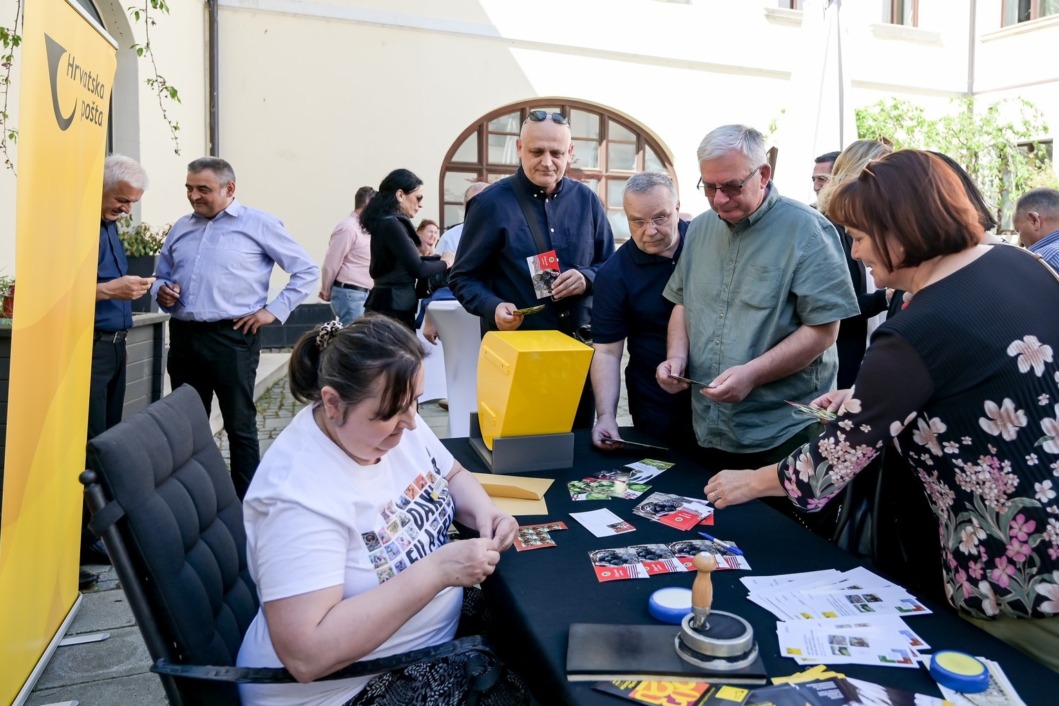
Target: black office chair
[[162, 500]]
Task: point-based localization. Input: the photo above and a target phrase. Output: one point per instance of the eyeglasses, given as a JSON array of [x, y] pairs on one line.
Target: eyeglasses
[[730, 189], [658, 221], [536, 116]]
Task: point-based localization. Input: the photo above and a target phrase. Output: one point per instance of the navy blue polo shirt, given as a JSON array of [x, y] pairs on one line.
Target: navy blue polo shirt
[[629, 305], [111, 314]]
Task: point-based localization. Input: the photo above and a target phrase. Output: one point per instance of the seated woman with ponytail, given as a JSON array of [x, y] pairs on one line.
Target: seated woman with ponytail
[[347, 520]]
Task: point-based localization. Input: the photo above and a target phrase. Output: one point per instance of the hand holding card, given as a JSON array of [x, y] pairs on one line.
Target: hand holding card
[[690, 381], [818, 413]]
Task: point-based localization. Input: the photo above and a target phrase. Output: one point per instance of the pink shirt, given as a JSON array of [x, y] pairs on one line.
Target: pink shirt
[[348, 256]]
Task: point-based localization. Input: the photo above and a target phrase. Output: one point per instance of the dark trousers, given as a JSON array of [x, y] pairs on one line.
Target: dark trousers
[[213, 357], [408, 318], [106, 394], [106, 398]]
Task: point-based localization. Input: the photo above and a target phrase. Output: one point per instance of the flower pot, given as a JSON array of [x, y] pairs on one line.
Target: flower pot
[[143, 266], [8, 309]]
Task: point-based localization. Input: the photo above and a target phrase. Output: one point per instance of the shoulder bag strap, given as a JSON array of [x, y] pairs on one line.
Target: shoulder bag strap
[[562, 307], [543, 244]]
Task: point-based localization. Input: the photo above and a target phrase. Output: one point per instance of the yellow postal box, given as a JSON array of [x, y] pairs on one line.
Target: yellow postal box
[[529, 382]]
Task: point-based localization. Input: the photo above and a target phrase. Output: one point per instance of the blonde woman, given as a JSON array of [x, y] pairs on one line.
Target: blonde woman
[[853, 332]]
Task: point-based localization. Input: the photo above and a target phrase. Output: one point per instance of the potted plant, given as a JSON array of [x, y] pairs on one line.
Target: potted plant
[[142, 243], [7, 295]]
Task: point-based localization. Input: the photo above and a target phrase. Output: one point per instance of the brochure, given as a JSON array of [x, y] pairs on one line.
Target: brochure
[[674, 510], [543, 269]]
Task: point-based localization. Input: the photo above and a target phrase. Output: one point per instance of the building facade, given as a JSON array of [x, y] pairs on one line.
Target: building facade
[[313, 99]]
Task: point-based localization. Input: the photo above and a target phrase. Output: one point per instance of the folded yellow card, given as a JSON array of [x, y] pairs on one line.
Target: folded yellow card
[[522, 487]]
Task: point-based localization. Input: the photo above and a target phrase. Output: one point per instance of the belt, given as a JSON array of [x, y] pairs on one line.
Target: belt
[[203, 325], [343, 285], [110, 336]]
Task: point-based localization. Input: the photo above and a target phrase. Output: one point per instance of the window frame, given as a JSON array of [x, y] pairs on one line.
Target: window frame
[[1034, 12], [897, 15]]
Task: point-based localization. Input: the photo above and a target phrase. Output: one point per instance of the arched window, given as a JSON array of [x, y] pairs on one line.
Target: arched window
[[608, 149]]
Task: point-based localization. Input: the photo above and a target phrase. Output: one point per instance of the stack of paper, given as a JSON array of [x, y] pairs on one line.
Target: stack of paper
[[881, 640], [833, 617], [829, 594]]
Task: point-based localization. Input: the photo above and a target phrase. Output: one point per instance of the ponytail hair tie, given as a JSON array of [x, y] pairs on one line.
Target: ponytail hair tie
[[327, 332]]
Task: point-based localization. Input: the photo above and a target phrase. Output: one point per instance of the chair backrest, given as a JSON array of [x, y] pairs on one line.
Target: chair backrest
[[181, 524]]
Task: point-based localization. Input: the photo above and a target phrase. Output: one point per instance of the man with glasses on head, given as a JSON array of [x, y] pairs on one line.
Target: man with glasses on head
[[758, 294], [533, 212], [628, 305]]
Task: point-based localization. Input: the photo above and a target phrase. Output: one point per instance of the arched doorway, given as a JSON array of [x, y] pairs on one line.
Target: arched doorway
[[608, 149]]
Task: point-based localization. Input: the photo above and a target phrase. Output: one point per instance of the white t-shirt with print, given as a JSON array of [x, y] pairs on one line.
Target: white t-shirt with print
[[315, 519]]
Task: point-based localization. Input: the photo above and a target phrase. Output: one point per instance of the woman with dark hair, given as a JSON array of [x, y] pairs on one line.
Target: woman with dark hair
[[396, 262], [347, 523], [968, 394]]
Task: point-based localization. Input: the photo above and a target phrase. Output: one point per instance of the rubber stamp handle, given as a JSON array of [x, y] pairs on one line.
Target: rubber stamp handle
[[702, 589]]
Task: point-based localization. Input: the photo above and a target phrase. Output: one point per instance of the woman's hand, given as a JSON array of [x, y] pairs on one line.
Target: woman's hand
[[729, 488], [448, 258], [499, 527], [466, 562], [831, 401]]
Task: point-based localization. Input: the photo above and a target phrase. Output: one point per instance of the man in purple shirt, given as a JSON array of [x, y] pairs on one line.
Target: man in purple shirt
[[213, 277], [1037, 221]]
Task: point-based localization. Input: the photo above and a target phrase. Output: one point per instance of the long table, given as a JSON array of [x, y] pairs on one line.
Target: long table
[[536, 595]]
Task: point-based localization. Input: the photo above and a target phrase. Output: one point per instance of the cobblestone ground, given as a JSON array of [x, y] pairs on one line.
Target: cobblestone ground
[[275, 409]]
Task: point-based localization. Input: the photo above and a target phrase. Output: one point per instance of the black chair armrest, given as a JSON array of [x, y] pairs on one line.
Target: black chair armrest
[[473, 644]]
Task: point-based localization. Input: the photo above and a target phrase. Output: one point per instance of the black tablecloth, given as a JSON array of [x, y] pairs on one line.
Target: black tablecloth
[[536, 595]]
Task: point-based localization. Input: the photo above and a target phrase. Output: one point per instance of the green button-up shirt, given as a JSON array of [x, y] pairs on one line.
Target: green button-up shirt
[[744, 289]]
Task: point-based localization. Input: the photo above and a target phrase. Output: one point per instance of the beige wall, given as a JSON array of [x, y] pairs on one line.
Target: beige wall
[[138, 127], [319, 98]]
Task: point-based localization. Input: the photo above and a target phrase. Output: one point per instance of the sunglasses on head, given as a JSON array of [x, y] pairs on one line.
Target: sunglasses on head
[[536, 116]]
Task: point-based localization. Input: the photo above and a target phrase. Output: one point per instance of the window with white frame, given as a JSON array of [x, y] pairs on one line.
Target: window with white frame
[[1016, 11]]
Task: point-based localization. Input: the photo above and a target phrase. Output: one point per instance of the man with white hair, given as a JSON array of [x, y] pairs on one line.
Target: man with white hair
[[124, 182], [450, 239], [758, 295]]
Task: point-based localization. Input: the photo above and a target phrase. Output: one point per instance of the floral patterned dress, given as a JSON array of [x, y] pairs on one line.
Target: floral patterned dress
[[965, 382]]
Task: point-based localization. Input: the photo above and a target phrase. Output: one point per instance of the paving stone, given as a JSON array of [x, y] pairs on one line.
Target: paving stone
[[121, 655], [102, 611], [136, 690]]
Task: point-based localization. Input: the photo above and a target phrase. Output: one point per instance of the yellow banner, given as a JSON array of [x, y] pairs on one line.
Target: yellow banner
[[68, 65]]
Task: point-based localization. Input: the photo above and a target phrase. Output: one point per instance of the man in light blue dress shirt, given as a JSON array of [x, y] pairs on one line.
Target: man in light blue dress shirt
[[213, 277]]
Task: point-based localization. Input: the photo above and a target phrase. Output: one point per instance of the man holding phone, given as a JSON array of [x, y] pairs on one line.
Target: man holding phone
[[629, 306]]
